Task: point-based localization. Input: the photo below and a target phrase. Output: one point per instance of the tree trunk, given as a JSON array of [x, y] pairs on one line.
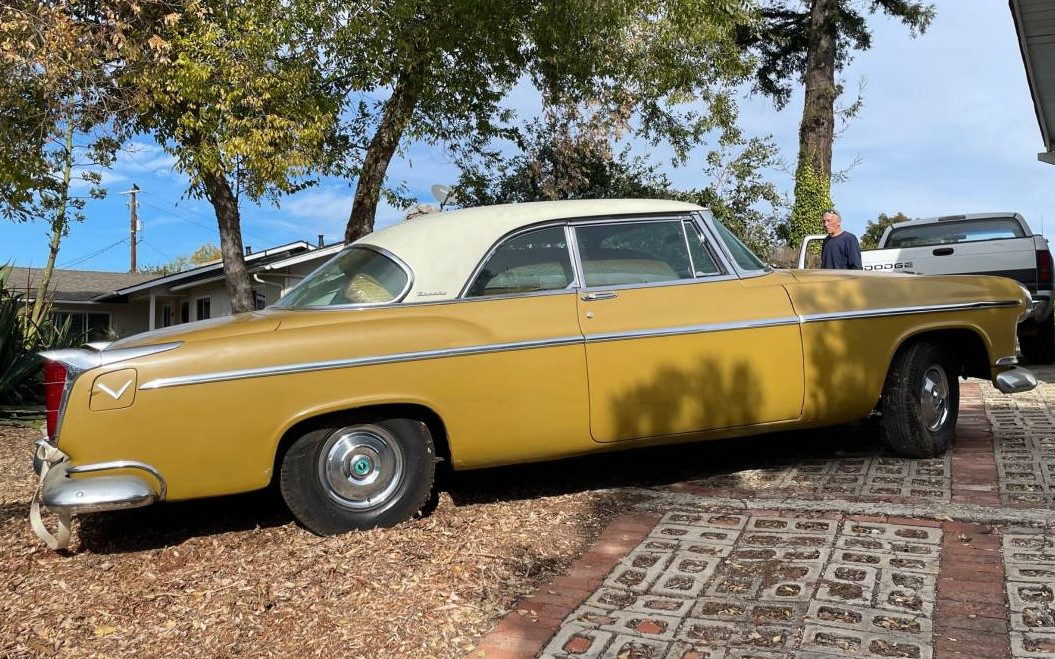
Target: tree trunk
[[398, 110], [225, 204], [817, 130], [58, 230]]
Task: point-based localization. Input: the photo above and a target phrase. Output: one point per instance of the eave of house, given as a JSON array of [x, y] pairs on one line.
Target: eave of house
[[1035, 25]]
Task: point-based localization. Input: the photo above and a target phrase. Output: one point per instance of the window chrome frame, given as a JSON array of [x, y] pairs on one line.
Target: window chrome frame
[[361, 305], [704, 218], [463, 294]]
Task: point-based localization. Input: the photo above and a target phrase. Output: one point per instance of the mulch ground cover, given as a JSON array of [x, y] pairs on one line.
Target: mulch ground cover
[[236, 576]]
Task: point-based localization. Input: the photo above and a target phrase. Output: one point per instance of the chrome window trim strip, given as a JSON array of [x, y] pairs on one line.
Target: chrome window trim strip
[[289, 369]]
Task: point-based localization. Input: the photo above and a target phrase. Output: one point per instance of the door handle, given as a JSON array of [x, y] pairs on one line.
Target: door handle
[[603, 295], [943, 251]]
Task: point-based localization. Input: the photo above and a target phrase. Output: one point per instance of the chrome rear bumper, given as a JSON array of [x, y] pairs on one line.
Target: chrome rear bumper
[[1015, 380], [59, 492]]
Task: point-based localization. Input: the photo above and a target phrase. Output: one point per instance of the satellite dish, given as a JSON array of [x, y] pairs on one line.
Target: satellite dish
[[443, 194]]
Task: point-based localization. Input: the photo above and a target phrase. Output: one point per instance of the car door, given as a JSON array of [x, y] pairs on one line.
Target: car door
[[676, 341]]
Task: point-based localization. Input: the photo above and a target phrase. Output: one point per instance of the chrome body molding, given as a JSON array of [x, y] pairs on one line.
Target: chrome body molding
[[60, 493], [307, 367], [1015, 380], [693, 329], [906, 311], [1007, 361]]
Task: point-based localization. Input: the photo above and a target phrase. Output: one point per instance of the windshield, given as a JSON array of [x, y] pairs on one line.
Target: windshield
[[743, 256], [357, 275]]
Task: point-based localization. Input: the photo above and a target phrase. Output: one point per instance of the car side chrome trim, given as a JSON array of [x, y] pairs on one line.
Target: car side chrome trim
[[693, 329], [307, 367], [1007, 361], [905, 311]]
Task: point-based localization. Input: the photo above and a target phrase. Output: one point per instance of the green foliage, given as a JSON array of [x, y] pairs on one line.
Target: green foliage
[[875, 228], [812, 198], [567, 156], [562, 156], [204, 254], [235, 90], [20, 365], [781, 38]]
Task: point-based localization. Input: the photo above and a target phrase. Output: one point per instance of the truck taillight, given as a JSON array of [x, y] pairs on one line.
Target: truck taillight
[[1044, 267], [54, 383]]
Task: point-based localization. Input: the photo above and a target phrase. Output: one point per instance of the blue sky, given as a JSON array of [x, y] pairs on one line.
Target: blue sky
[[947, 126]]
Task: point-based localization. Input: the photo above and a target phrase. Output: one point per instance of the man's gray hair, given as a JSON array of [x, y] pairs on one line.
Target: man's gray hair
[[832, 211]]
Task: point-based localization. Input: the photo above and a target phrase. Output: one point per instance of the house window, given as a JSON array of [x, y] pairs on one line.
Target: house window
[[184, 312], [83, 325], [166, 316], [259, 300], [202, 305]]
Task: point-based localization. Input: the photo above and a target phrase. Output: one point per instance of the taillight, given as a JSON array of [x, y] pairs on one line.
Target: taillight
[[54, 383], [1044, 267]]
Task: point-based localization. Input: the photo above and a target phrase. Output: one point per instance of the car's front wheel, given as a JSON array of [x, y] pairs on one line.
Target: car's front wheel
[[358, 476], [921, 401]]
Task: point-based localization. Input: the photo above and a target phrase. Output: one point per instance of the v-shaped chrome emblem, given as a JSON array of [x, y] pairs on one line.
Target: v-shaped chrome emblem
[[114, 394]]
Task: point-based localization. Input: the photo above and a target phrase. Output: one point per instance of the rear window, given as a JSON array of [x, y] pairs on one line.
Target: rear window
[[357, 275], [950, 233]]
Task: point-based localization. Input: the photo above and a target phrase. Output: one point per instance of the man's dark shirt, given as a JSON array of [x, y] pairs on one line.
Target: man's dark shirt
[[841, 252]]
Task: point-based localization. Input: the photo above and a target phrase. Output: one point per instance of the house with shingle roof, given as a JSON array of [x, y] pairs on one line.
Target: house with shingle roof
[[114, 304]]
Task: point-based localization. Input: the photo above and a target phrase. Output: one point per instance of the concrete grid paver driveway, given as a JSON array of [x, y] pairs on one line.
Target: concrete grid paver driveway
[[858, 554]]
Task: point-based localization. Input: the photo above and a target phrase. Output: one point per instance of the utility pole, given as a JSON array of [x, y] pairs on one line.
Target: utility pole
[[133, 220]]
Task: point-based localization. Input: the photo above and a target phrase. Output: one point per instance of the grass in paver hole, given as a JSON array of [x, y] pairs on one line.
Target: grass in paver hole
[[766, 638], [709, 634], [645, 560], [891, 649], [788, 590], [844, 643], [907, 563], [908, 581], [846, 591], [1038, 616], [905, 601], [1038, 644], [1036, 594], [851, 557], [850, 574], [830, 613], [636, 651], [764, 614], [896, 624], [617, 599], [721, 609]]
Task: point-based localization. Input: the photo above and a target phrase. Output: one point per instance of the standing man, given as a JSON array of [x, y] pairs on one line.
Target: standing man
[[840, 250]]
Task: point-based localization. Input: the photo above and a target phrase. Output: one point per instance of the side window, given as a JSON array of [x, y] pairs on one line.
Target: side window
[[633, 253], [702, 258], [533, 261]]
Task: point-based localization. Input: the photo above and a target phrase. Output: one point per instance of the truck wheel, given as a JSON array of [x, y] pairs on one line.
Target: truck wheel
[[921, 401], [358, 476], [1039, 346]]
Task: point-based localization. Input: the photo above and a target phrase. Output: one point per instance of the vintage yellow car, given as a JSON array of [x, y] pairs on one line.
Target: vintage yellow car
[[508, 334]]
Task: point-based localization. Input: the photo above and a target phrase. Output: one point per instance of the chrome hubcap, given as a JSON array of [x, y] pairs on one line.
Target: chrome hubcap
[[361, 466], [934, 398]]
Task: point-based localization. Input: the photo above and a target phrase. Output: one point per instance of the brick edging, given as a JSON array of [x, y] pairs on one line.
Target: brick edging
[[535, 618], [975, 478]]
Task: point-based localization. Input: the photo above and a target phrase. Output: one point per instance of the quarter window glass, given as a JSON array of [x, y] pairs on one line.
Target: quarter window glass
[[743, 256], [702, 259], [638, 253], [533, 261], [355, 276], [950, 233]]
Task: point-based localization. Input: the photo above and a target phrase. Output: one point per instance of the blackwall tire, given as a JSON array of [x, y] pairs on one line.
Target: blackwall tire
[[358, 476], [921, 401]]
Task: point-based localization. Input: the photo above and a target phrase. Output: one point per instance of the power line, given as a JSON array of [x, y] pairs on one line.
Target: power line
[[82, 259], [151, 246], [198, 224]]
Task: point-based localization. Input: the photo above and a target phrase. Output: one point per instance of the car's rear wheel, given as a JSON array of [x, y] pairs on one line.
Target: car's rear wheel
[[358, 476], [1038, 346], [921, 401]]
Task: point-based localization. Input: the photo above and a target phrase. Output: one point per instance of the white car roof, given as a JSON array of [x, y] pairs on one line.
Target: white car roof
[[442, 249]]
